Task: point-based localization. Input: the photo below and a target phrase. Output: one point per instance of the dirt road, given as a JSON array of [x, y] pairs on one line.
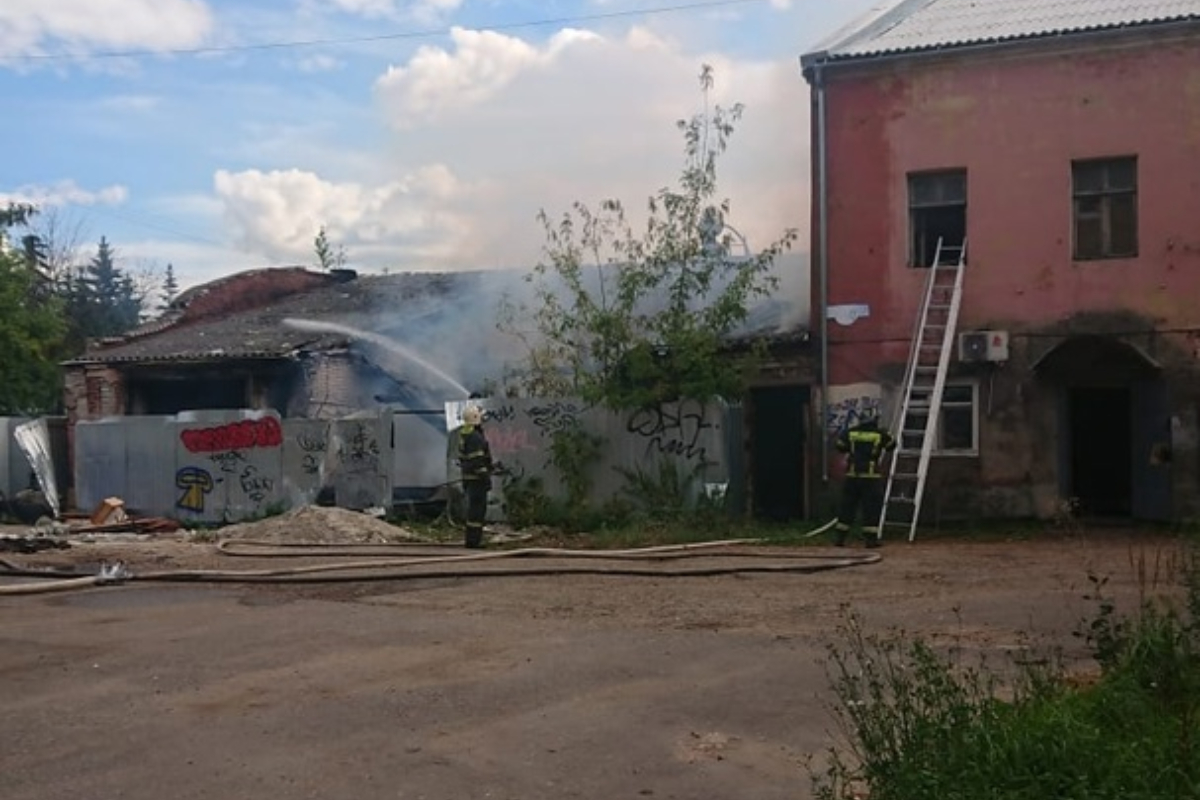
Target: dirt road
[[515, 688]]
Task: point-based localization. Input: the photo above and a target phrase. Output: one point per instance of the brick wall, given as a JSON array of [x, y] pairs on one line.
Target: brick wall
[[248, 290]]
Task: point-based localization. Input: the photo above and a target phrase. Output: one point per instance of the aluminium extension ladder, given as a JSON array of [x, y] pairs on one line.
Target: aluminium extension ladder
[[924, 382]]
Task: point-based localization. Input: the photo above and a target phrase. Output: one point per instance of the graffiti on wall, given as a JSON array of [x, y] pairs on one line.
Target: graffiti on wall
[[241, 435], [228, 462], [502, 413], [195, 483], [255, 484], [677, 430], [851, 404], [556, 416], [313, 448], [360, 450]]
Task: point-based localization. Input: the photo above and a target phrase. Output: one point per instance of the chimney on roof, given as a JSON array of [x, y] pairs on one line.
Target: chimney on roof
[[343, 275]]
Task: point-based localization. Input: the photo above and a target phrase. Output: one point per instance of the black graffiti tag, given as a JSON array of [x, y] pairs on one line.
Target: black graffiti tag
[[556, 417], [229, 461], [314, 448], [361, 448], [256, 485], [672, 432], [501, 414]]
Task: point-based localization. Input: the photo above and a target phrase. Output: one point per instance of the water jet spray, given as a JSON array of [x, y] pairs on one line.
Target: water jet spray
[[316, 326]]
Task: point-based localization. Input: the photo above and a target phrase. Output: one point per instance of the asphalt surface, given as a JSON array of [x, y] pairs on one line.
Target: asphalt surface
[[514, 688]]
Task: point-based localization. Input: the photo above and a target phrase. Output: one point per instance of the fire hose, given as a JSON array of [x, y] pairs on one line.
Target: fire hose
[[449, 566]]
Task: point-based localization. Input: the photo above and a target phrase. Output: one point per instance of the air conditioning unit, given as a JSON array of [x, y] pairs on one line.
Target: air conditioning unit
[[977, 347]]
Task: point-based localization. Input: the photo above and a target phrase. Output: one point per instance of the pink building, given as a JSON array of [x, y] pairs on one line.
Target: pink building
[[1061, 142]]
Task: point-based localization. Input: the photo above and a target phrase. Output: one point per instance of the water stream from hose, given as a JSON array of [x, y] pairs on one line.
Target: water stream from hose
[[316, 326]]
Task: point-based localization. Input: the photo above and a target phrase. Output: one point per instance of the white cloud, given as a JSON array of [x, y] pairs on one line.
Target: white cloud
[[66, 193], [587, 118], [278, 213], [28, 27], [319, 63], [129, 103], [436, 82], [422, 10], [513, 127]]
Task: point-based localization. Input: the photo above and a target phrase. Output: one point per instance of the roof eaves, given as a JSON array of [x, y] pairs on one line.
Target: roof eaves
[[209, 356], [832, 56], [878, 20]]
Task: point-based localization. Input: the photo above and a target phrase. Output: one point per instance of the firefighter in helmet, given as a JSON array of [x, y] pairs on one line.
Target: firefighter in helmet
[[475, 460], [864, 445]]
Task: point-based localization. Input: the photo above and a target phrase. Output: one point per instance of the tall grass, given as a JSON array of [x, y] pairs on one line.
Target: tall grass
[[924, 724]]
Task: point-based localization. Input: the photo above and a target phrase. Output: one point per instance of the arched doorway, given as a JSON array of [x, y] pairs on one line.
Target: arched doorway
[[1113, 427]]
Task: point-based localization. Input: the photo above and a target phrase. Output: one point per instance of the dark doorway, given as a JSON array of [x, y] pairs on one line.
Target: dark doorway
[[777, 451], [1101, 450]]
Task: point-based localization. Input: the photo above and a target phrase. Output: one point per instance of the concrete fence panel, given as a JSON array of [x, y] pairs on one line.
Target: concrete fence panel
[[305, 459], [360, 458], [228, 469]]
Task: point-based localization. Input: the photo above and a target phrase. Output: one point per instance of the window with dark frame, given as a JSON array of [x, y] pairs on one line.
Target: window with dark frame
[[937, 209], [957, 420], [1104, 195]]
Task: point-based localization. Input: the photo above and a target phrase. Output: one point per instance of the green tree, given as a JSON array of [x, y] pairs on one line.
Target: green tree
[[632, 319], [170, 286], [15, 215], [102, 299], [31, 329], [328, 256]]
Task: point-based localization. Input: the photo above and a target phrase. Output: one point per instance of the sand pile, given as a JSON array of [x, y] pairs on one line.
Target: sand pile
[[319, 525]]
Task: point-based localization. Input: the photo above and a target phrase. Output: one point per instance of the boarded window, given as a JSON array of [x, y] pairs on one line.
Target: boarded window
[[937, 210], [1104, 194]]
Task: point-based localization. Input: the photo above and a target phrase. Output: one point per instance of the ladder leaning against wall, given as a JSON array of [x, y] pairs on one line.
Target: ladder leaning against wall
[[916, 422]]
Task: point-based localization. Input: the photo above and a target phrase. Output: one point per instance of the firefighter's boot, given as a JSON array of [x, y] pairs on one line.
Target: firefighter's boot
[[474, 539]]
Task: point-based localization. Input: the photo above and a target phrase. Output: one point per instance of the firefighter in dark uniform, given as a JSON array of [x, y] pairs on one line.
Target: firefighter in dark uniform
[[864, 446], [475, 460]]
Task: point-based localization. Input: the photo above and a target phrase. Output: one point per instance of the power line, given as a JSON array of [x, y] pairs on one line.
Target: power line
[[383, 37], [144, 222]]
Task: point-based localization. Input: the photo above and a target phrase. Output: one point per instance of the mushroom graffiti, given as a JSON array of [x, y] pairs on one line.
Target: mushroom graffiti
[[195, 482]]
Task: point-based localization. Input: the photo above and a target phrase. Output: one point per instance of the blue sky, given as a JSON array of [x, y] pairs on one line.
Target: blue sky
[[219, 135]]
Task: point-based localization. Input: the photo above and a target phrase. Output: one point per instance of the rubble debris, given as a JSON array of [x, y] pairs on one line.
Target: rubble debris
[[313, 524], [31, 544], [131, 525], [110, 509]]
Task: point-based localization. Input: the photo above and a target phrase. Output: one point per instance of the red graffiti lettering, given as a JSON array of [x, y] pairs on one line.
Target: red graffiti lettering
[[248, 433]]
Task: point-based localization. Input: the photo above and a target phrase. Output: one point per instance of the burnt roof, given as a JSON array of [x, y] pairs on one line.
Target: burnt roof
[[410, 307], [263, 333]]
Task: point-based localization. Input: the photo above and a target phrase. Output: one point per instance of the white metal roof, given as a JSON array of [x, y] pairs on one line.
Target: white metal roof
[[917, 25]]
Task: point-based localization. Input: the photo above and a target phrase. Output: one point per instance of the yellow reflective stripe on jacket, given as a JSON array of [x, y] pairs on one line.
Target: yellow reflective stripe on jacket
[[858, 441]]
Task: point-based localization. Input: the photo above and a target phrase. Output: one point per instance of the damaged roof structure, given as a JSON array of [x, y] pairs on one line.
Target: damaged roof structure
[[321, 344], [306, 343]]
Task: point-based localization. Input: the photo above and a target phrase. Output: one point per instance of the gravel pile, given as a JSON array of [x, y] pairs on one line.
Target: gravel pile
[[319, 525]]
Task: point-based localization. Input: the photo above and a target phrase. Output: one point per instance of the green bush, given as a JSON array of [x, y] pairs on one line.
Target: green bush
[[920, 723]]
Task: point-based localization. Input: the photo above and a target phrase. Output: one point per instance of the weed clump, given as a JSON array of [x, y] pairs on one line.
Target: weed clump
[[923, 723]]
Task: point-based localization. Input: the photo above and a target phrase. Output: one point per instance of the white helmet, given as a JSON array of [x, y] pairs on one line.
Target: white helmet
[[471, 415]]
